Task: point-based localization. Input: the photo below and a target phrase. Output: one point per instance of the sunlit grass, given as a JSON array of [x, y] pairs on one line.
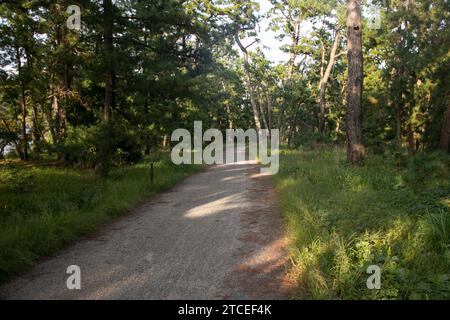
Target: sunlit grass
[[342, 219], [43, 208]]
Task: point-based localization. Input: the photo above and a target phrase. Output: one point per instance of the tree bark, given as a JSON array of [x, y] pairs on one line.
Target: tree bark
[[62, 87], [399, 104], [249, 85], [53, 117], [109, 53], [325, 75], [24, 108], [295, 39], [269, 110], [355, 147], [36, 132], [261, 108]]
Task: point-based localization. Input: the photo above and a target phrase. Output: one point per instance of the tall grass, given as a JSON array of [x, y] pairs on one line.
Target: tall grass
[[342, 219], [43, 208]]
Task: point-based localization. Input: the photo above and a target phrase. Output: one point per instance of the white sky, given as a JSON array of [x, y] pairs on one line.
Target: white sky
[[268, 43]]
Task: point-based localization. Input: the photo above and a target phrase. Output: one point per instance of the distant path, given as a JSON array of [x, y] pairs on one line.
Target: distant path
[[217, 235]]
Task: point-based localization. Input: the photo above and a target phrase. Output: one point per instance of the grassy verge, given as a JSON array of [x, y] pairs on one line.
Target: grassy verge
[[43, 208], [343, 219]]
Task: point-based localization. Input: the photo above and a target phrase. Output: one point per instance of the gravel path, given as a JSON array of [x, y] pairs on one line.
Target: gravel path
[[216, 235]]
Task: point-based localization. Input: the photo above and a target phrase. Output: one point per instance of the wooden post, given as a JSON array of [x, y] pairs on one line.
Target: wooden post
[[152, 171]]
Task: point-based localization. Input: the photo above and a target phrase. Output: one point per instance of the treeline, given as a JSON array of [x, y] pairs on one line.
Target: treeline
[[118, 87], [405, 46], [136, 70]]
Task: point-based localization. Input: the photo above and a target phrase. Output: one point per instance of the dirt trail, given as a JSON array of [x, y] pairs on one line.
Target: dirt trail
[[216, 235]]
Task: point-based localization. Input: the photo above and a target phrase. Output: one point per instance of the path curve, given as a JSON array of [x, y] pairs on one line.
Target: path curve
[[217, 235]]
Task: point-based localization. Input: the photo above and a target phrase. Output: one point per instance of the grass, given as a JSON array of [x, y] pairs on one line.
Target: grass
[[341, 219], [43, 208]]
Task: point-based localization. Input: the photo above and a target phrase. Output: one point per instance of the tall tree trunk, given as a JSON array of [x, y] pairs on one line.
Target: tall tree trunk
[[325, 75], [24, 108], [109, 53], [36, 136], [355, 147], [263, 115], [65, 86], [399, 103], [444, 141], [269, 110], [53, 117], [291, 129], [63, 74], [36, 132], [227, 107], [249, 85], [295, 39]]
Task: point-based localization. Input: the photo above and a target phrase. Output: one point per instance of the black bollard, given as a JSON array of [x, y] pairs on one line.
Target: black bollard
[[151, 172]]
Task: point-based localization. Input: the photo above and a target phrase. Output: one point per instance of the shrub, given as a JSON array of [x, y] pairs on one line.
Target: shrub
[[100, 147], [78, 149], [309, 139], [423, 170], [115, 143]]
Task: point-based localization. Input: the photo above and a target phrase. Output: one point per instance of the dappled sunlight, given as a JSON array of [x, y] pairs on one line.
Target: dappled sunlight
[[231, 168], [213, 207], [344, 218], [263, 271], [265, 260], [261, 174], [230, 178], [213, 195], [114, 288]]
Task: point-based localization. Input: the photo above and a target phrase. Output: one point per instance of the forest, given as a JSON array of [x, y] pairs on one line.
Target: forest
[[91, 90]]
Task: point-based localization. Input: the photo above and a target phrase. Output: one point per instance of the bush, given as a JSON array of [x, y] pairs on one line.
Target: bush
[[79, 148], [424, 170], [100, 147], [116, 144], [309, 139]]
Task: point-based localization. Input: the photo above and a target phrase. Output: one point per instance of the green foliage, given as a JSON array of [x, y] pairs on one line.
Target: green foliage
[[115, 143], [342, 219], [43, 208], [427, 170], [79, 148], [100, 147], [309, 139], [172, 62]]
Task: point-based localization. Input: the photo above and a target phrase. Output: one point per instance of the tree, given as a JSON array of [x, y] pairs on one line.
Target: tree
[[325, 75], [108, 21], [249, 83], [355, 146]]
